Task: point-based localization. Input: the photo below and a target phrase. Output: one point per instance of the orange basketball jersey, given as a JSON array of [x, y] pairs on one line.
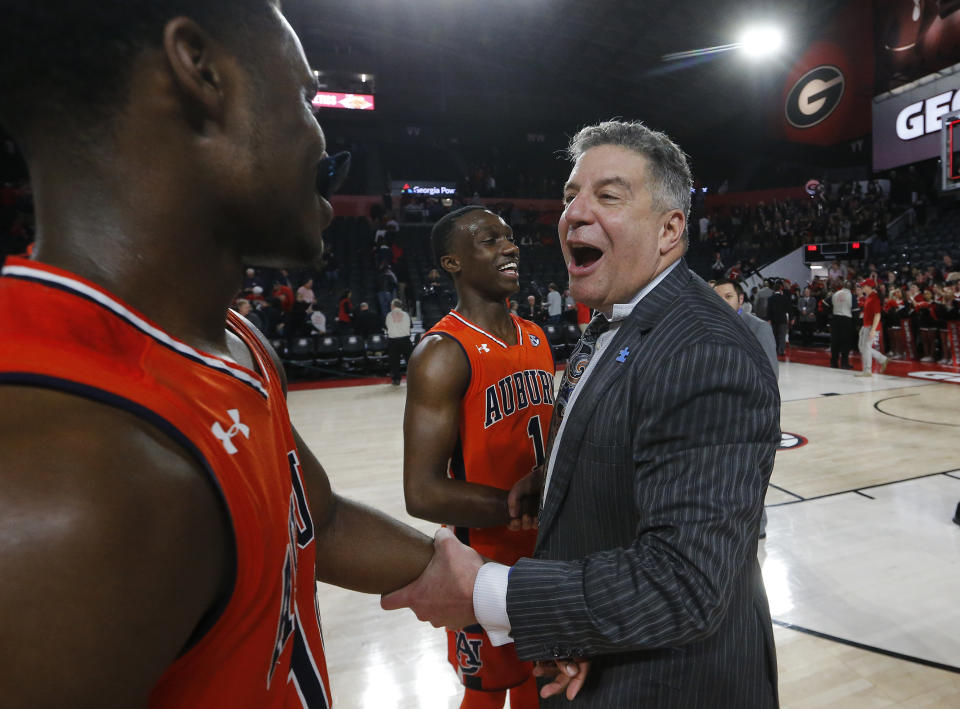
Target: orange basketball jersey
[[265, 649], [504, 420]]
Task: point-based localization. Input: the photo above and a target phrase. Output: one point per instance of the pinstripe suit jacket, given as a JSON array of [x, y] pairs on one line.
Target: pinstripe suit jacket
[[646, 559]]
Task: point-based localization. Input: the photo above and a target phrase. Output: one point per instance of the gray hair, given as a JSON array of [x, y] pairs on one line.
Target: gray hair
[[670, 180]]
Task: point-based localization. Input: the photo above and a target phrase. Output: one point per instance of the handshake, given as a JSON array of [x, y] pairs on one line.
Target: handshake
[[443, 594]]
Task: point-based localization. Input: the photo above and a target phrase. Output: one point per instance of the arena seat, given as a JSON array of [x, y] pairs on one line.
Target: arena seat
[[558, 344], [376, 349], [302, 350], [328, 351], [352, 352]]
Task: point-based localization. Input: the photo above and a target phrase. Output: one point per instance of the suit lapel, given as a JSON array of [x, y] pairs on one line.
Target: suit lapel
[[631, 334]]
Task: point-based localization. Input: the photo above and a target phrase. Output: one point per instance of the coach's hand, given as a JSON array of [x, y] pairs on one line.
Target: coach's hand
[[443, 594], [568, 674]]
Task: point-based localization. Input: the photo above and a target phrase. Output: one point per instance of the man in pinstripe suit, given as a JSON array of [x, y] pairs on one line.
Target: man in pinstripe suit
[[646, 563]]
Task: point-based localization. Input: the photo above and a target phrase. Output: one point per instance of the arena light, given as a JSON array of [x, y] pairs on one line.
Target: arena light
[[761, 41]]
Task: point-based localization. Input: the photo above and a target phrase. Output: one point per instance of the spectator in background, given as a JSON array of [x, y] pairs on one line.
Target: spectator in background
[[331, 267], [251, 279], [271, 316], [345, 313], [317, 320], [366, 322], [871, 321], [530, 311], [704, 224], [554, 304], [583, 316], [305, 293], [732, 293], [245, 308], [760, 300], [398, 326], [284, 295], [435, 300], [255, 295], [386, 288], [719, 268], [778, 313], [807, 316]]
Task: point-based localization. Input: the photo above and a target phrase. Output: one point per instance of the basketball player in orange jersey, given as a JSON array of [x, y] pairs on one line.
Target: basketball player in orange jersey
[[162, 524], [479, 401]]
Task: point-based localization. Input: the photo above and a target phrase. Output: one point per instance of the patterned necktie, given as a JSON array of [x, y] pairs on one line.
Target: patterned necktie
[[576, 366]]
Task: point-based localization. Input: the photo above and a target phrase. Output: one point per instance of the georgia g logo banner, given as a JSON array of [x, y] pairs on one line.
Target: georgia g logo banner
[[814, 97]]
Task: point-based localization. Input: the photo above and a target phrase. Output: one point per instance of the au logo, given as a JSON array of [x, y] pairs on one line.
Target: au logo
[[534, 340], [468, 653], [814, 97]]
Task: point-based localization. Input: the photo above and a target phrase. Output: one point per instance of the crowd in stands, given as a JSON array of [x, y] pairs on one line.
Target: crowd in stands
[[918, 304], [740, 238], [509, 180], [836, 212]]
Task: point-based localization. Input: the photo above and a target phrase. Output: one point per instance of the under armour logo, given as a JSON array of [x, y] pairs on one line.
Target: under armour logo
[[624, 353], [483, 348], [236, 428]]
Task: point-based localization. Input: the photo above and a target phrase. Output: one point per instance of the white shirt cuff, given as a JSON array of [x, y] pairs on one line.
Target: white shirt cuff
[[490, 602]]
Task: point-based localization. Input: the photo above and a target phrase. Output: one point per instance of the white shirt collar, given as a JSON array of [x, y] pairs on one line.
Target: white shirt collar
[[622, 310]]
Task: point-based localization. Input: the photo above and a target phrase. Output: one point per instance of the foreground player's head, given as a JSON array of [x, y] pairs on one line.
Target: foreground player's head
[[476, 247], [206, 103]]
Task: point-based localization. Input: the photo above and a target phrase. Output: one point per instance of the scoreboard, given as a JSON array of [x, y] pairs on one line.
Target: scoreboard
[[846, 250]]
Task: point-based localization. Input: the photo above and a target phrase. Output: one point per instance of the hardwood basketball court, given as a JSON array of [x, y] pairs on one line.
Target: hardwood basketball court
[[861, 561]]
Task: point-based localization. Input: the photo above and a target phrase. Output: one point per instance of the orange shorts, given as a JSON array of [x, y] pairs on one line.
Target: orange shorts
[[482, 666]]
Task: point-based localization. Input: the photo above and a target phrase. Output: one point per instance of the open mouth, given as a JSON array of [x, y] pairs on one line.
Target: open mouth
[[584, 256], [510, 268]]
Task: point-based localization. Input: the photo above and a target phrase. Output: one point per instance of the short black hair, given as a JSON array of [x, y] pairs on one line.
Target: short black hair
[[727, 282], [67, 64], [441, 235]]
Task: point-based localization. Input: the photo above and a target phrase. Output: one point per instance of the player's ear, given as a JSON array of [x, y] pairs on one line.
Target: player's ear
[[450, 263], [197, 64]]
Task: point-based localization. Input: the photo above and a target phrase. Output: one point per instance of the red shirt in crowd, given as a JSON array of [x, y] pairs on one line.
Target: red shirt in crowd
[[285, 294], [583, 314], [871, 307]]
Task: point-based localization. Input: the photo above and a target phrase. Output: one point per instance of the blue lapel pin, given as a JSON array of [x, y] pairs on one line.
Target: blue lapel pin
[[624, 353]]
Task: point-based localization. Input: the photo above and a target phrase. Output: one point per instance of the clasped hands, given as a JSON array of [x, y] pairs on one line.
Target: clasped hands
[[443, 594]]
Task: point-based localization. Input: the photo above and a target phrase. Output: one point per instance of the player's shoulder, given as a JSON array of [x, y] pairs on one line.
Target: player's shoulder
[[97, 462], [98, 501]]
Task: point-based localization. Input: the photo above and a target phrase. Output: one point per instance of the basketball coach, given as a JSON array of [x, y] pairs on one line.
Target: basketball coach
[[662, 443]]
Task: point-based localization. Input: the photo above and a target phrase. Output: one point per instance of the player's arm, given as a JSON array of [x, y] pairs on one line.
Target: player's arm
[[114, 546], [358, 547], [437, 378]]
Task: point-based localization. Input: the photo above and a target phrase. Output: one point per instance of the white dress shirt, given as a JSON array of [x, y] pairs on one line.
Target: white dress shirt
[[490, 587]]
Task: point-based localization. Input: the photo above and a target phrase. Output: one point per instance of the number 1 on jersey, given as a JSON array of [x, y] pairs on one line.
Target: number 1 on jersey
[[534, 432]]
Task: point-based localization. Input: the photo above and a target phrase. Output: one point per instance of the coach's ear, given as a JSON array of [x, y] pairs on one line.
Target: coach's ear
[[672, 229]]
